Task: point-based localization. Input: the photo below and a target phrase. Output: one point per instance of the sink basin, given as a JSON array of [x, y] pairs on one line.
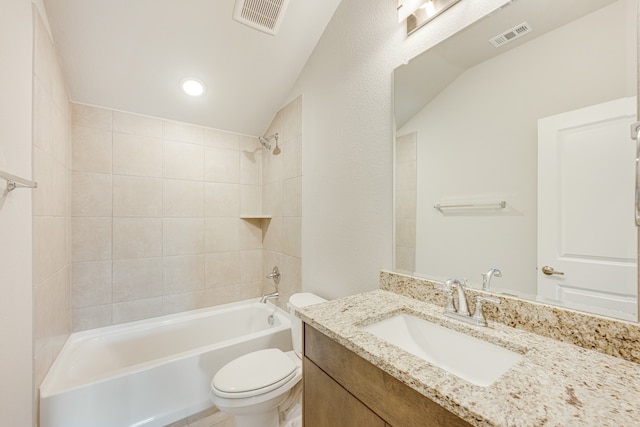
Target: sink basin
[[467, 357]]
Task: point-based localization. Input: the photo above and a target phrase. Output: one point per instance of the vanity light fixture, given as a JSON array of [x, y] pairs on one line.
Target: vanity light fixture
[[192, 87], [418, 12]]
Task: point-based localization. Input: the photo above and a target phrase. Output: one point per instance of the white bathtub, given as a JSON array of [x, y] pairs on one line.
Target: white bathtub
[[153, 372]]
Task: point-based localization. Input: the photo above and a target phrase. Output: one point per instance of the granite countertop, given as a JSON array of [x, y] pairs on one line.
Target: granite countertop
[[555, 384]]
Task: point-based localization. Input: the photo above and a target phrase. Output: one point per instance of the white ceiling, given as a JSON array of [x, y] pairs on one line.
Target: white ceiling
[[132, 54]]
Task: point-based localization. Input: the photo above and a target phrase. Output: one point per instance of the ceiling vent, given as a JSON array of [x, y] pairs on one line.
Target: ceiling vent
[[262, 15], [511, 35]]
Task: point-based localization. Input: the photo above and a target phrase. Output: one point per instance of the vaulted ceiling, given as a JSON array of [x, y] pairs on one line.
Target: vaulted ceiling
[[132, 55]]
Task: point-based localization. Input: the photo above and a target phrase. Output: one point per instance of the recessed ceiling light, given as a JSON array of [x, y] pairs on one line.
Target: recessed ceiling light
[[193, 87]]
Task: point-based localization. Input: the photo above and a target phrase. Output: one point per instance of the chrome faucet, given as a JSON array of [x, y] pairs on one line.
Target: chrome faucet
[[267, 297], [275, 275], [462, 312], [486, 278]]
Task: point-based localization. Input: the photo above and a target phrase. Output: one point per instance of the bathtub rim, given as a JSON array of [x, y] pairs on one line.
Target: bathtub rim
[[47, 390]]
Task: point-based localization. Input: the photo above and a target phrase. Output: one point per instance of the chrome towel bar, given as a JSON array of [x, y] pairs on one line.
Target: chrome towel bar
[[501, 204], [14, 182]]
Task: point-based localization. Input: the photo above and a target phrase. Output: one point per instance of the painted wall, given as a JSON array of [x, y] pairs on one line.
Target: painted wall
[[156, 214], [16, 333], [493, 157], [348, 152]]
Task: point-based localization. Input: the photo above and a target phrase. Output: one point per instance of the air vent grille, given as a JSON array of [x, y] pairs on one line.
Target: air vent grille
[[511, 35], [262, 15]]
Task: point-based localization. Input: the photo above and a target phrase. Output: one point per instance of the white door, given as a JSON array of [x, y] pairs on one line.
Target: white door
[[586, 228]]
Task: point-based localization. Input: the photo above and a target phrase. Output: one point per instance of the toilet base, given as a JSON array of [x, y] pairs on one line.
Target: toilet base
[[265, 419]]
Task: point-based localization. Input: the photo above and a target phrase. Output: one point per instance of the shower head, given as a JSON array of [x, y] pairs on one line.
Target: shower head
[[265, 142]]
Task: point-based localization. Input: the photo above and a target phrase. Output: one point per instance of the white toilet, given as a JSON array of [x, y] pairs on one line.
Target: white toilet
[[252, 386]]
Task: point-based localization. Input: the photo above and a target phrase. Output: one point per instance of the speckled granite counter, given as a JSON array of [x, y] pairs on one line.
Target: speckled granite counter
[[556, 384]]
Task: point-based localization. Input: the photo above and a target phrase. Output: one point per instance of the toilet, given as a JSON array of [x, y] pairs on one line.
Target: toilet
[[254, 385]]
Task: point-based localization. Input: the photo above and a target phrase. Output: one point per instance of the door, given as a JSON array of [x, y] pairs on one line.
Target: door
[[586, 228]]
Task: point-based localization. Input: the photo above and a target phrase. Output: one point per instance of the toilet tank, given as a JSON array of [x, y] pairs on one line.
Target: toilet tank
[[299, 301]]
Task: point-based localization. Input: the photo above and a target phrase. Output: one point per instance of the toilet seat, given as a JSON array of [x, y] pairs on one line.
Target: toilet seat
[[253, 374]]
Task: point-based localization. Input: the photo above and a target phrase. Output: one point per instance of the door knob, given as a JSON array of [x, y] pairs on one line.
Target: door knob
[[549, 271]]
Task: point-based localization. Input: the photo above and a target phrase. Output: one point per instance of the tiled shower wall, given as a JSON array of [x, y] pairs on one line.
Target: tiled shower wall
[[282, 198], [156, 216], [51, 204]]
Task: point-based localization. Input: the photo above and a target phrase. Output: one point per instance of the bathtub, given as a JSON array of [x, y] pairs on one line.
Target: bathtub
[[153, 372]]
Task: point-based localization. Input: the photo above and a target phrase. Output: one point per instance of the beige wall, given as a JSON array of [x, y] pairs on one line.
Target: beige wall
[[16, 356], [156, 215], [51, 204], [348, 125]]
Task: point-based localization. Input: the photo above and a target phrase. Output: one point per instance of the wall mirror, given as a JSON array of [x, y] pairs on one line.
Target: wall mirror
[[513, 152]]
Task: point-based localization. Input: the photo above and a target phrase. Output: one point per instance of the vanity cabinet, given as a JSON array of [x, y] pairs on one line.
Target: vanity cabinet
[[341, 389]]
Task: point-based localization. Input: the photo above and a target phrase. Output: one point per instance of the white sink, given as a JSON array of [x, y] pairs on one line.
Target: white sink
[[467, 357]]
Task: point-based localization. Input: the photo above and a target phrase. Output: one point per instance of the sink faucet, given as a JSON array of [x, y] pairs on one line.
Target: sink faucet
[[486, 278], [463, 309], [462, 312], [267, 297]]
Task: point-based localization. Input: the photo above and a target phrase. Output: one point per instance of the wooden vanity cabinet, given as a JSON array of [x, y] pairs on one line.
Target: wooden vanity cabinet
[[341, 389]]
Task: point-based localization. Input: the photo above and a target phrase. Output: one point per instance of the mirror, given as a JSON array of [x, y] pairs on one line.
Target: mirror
[[515, 154]]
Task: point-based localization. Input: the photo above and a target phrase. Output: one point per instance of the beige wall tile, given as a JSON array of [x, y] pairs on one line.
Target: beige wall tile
[[62, 182], [129, 311], [92, 149], [137, 279], [222, 295], [222, 200], [176, 303], [291, 236], [251, 166], [272, 199], [251, 234], [137, 238], [44, 56], [222, 269], [177, 131], [42, 117], [182, 160], [61, 137], [91, 239], [272, 234], [405, 232], [43, 203], [292, 158], [91, 195], [272, 166], [92, 317], [292, 197], [222, 234], [183, 236], [250, 266], [406, 148], [253, 290], [137, 197], [251, 200], [91, 284], [137, 155], [183, 199], [137, 125], [222, 165], [93, 117], [183, 274], [221, 139], [406, 176]]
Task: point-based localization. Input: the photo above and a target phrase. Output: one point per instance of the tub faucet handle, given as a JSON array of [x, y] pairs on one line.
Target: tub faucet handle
[[275, 275]]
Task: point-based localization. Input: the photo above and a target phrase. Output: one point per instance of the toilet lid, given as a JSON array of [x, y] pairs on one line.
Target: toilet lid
[[257, 370]]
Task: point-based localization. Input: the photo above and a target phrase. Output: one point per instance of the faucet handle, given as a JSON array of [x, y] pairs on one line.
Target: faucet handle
[[478, 315]]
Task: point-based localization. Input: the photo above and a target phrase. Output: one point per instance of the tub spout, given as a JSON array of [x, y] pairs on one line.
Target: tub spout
[[267, 297]]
